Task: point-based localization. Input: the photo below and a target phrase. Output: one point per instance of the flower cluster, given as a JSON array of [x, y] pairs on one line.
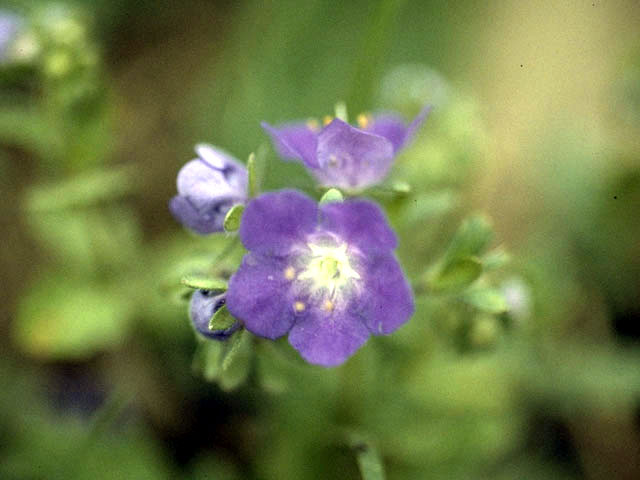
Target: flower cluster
[[323, 274]]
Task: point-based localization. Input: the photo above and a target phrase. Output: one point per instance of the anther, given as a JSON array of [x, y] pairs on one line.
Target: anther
[[290, 273], [363, 120]]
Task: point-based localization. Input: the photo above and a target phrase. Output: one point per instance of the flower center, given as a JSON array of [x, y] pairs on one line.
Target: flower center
[[329, 268]]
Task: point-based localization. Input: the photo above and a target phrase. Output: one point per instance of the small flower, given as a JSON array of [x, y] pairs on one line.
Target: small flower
[[10, 26], [341, 155], [208, 187], [204, 304], [326, 275]]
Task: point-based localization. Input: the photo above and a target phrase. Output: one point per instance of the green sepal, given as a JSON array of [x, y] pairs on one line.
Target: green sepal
[[340, 110], [206, 360], [203, 282], [488, 300], [253, 180], [455, 275], [221, 320], [236, 360], [233, 218], [333, 195]]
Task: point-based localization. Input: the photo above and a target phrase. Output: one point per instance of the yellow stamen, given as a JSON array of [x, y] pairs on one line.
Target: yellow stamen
[[363, 120], [328, 305], [327, 120], [299, 306], [290, 273]]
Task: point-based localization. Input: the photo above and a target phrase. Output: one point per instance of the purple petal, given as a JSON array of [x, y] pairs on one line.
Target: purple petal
[[200, 182], [360, 223], [391, 127], [386, 302], [415, 124], [204, 217], [328, 339], [351, 158], [258, 296], [273, 222], [295, 141]]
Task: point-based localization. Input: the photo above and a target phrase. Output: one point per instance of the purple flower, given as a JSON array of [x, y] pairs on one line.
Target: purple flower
[[204, 303], [208, 187], [326, 275], [340, 155]]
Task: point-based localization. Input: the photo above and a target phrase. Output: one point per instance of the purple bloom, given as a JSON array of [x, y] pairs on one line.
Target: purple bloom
[[204, 304], [341, 155], [326, 275], [208, 187]]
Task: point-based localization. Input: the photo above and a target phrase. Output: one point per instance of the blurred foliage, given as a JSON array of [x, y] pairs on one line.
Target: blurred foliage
[[521, 361]]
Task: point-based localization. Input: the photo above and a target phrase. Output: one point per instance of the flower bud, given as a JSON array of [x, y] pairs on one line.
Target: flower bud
[[204, 304], [208, 187]]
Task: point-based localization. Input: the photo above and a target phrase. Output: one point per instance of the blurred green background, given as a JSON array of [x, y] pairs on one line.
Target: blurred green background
[[536, 123]]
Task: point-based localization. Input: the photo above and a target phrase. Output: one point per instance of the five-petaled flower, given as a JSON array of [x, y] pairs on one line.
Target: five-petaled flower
[[341, 155], [204, 303], [326, 275], [208, 187]]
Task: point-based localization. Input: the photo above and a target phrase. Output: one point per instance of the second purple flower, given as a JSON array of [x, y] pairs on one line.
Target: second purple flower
[[344, 156]]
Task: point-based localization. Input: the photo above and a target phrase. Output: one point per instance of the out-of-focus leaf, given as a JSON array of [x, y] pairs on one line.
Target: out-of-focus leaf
[[471, 239], [62, 319], [488, 300], [495, 259], [87, 189], [456, 275]]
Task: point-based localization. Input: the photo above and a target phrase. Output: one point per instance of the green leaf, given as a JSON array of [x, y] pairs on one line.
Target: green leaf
[[236, 360], [332, 195], [471, 239], [221, 320], [204, 282], [488, 300], [369, 461], [233, 218], [99, 185], [456, 275], [61, 318]]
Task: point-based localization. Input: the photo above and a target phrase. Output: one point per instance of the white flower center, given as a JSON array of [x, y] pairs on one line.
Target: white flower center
[[329, 268]]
